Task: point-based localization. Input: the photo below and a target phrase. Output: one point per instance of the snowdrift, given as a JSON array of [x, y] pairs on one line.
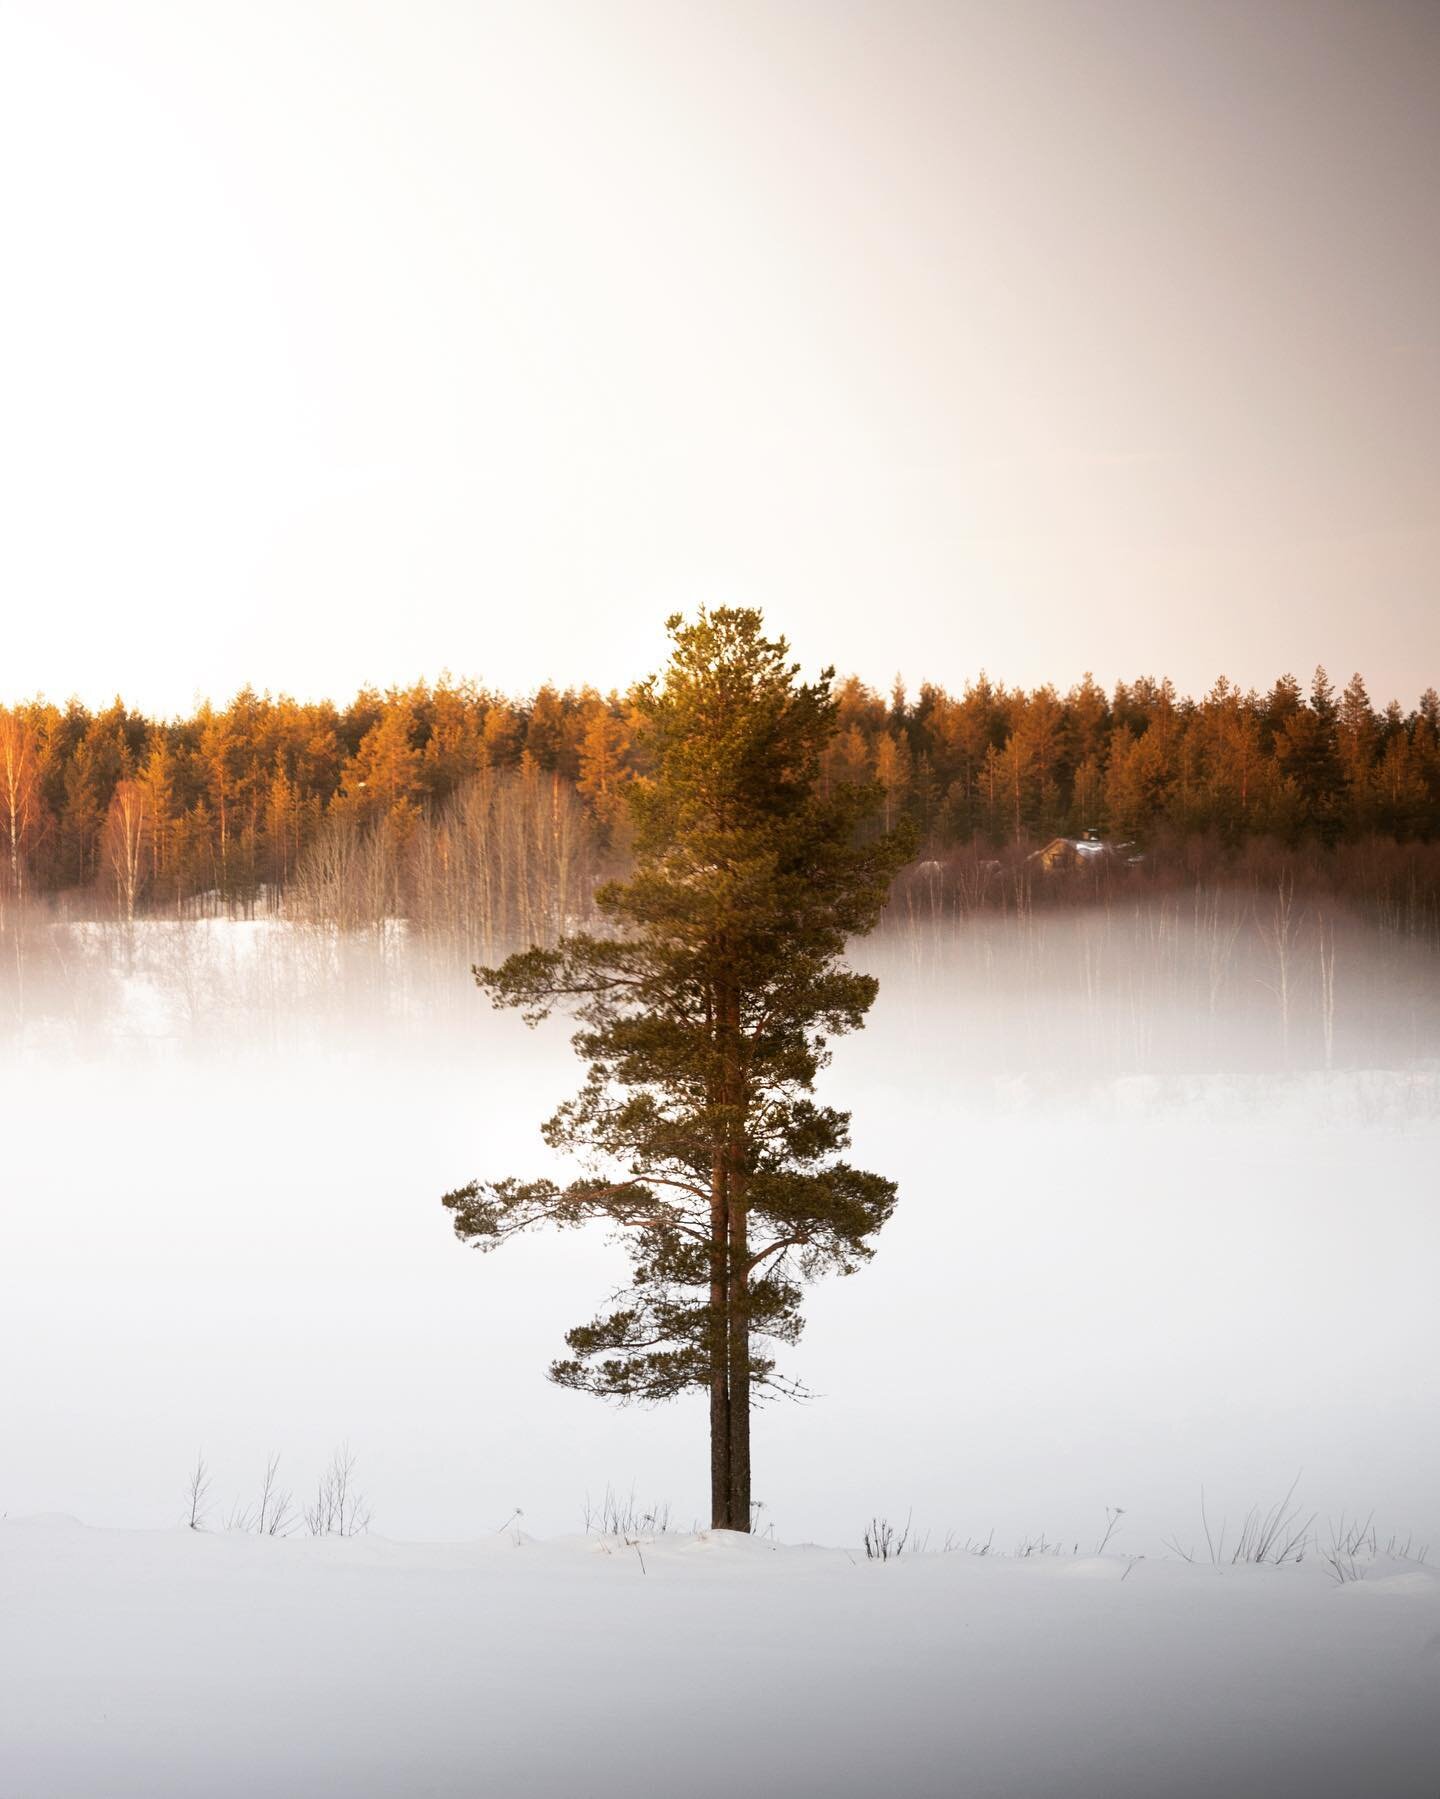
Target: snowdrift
[[174, 1664]]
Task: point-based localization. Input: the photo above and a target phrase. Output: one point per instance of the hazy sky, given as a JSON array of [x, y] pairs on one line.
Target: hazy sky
[[350, 342]]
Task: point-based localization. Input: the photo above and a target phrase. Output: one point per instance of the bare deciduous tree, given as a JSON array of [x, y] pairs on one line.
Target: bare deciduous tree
[[508, 858], [1278, 930], [19, 795], [1327, 989], [126, 845]]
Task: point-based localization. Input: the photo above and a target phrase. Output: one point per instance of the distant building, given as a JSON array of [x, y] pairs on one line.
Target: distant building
[[1073, 852]]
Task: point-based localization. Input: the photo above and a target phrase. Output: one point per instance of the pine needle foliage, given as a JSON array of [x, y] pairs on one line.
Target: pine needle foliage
[[705, 1015]]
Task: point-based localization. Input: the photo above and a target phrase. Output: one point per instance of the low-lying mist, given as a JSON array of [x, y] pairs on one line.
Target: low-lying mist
[[1166, 1222]]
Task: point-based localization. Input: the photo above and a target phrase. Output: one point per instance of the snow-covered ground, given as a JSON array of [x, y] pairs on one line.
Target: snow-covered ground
[[1145, 1246], [171, 1664]]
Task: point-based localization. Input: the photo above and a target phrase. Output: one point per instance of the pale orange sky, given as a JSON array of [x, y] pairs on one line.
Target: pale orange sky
[[346, 343]]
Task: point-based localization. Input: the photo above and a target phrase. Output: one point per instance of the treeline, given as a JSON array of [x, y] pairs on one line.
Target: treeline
[[271, 796], [267, 794]]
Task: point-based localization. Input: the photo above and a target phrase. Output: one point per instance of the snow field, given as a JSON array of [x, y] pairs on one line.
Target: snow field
[[172, 1664]]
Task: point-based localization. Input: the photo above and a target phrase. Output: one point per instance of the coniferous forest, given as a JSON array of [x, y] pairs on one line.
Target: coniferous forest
[[410, 800]]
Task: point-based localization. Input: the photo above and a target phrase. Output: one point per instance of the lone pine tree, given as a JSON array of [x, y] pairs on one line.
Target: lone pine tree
[[704, 1019]]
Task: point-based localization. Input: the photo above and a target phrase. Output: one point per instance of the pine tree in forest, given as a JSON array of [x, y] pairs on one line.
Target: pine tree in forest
[[704, 1020], [894, 773], [603, 774], [1358, 736], [156, 780], [1307, 750]]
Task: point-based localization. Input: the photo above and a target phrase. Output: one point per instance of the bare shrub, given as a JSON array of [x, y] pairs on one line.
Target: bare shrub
[[1271, 1537], [271, 1515], [1354, 1543], [275, 1513], [197, 1495], [884, 1542], [1113, 1515], [970, 1545], [618, 1515], [1350, 1540], [1037, 1545], [339, 1509], [1274, 1536]]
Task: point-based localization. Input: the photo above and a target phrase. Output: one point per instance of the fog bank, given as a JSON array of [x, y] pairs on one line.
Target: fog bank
[[1153, 1235]]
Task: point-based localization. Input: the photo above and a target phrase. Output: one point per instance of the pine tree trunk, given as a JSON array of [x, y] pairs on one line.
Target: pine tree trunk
[[739, 1356], [720, 1416], [737, 1311], [729, 1281]]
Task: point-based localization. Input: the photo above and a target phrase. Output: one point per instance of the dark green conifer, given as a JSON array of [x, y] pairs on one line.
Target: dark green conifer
[[704, 1018]]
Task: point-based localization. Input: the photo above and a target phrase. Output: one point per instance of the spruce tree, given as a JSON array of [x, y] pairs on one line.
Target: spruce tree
[[705, 1016]]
